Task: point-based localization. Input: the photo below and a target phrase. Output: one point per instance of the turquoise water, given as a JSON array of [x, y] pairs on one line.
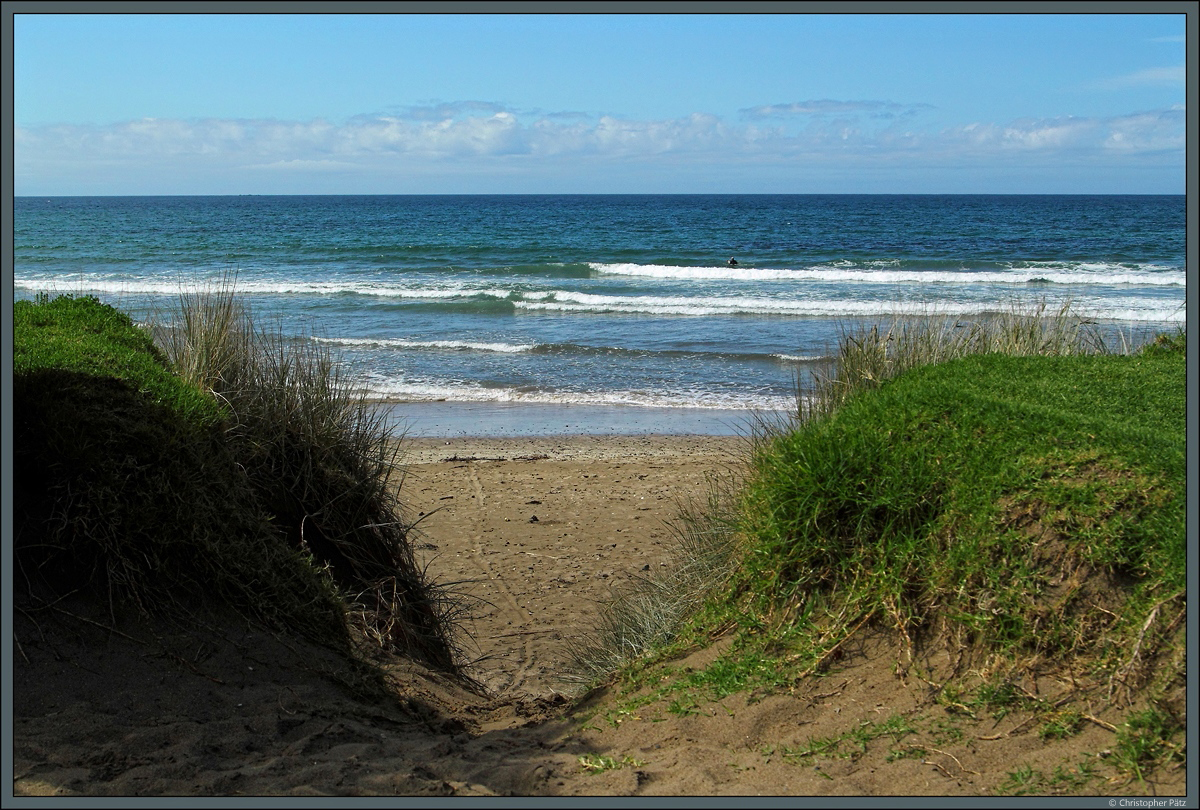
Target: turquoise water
[[625, 302]]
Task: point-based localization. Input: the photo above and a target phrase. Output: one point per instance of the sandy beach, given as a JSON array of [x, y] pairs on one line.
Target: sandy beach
[[536, 532]]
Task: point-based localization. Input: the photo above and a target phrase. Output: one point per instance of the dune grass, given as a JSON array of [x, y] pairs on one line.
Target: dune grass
[[996, 499], [70, 334], [645, 616], [866, 358], [231, 465], [320, 458], [1009, 491]]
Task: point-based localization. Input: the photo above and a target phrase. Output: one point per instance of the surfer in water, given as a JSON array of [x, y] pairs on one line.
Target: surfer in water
[[732, 262]]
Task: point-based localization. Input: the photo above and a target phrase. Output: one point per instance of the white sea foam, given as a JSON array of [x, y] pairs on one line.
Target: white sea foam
[[392, 389], [656, 305], [373, 288], [80, 285], [798, 358], [578, 303], [147, 286], [566, 301], [845, 271], [865, 273], [720, 273], [452, 345]]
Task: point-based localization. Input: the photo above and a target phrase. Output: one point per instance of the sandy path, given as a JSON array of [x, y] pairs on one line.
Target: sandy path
[[548, 532]]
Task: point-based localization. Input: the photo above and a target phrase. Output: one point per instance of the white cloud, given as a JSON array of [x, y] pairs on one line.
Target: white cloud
[[696, 133], [495, 134], [1146, 132], [1052, 134], [1157, 131], [480, 137]]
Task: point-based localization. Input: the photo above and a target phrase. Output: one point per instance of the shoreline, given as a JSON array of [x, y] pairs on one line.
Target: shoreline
[[662, 448]]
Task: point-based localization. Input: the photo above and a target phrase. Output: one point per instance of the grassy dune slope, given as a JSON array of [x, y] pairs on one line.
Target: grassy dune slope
[[264, 486], [998, 499], [1009, 505]]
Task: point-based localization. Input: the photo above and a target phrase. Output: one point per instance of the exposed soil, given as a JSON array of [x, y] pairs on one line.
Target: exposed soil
[[538, 531]]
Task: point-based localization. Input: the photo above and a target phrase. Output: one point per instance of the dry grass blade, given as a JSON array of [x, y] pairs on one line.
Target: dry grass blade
[[650, 611]]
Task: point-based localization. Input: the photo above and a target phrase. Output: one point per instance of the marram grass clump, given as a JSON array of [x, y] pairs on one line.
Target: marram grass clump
[[232, 467], [320, 460], [868, 357]]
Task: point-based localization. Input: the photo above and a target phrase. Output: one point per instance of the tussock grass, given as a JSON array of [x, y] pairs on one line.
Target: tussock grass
[[867, 357], [320, 459], [232, 463]]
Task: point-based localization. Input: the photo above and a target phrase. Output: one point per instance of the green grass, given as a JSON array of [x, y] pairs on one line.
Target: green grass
[[1011, 489], [973, 491], [234, 468], [1147, 740], [67, 335], [1080, 779], [125, 485], [596, 763], [853, 743]]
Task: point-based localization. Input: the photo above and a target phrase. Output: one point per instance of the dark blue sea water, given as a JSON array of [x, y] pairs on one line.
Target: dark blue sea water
[[627, 302]]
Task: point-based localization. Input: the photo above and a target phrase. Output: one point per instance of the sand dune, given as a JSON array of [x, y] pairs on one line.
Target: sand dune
[[538, 532]]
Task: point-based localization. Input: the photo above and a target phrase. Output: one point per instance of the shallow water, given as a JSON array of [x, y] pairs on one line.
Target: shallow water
[[503, 419]]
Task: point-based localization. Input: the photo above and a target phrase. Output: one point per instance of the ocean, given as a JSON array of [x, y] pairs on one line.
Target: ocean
[[514, 314]]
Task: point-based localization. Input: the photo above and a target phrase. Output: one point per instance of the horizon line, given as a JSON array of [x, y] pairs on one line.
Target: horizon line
[[648, 194]]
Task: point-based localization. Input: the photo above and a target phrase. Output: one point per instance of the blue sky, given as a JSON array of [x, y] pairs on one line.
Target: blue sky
[[585, 103]]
